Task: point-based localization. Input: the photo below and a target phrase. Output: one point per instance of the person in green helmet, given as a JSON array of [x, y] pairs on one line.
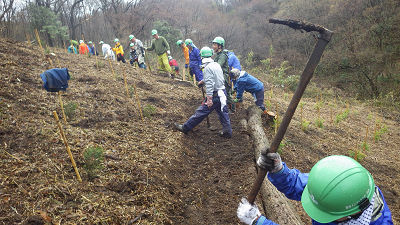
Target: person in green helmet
[[221, 57], [137, 52], [338, 190], [185, 51], [161, 47], [119, 51]]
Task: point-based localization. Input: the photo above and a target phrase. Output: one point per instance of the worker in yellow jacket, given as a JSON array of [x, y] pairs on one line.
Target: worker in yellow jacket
[[119, 51]]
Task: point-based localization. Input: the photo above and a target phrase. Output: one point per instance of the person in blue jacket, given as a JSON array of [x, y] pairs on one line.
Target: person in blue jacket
[[246, 82], [233, 63], [194, 60], [338, 190], [92, 49], [72, 49]]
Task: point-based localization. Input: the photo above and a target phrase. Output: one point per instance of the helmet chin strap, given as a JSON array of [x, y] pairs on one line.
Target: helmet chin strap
[[364, 218]]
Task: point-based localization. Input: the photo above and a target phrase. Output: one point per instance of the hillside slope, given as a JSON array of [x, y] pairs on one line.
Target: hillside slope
[[152, 173]]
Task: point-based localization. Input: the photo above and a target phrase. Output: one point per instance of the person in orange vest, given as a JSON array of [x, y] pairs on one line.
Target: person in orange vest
[[185, 51], [83, 48], [119, 51]]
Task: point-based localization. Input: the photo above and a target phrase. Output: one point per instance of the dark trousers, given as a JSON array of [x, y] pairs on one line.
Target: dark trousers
[[120, 57], [259, 99], [203, 111]]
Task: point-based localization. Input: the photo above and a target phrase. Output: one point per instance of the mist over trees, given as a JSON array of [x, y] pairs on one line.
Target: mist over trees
[[363, 58]]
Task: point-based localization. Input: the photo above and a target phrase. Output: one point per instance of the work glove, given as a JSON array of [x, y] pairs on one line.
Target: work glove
[[247, 213], [168, 52], [200, 84], [236, 100], [271, 162], [209, 101], [186, 66]]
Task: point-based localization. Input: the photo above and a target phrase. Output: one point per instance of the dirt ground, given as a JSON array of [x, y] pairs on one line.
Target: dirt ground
[[152, 173]]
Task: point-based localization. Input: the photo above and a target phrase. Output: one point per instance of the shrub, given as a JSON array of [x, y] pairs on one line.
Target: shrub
[[304, 125], [378, 133], [69, 109], [94, 158], [149, 111], [342, 116]]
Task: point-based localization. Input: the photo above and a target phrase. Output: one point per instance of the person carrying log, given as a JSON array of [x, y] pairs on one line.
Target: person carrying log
[[338, 190], [194, 60], [160, 45], [185, 51], [137, 51], [215, 97], [221, 57], [107, 50], [246, 82], [119, 51]]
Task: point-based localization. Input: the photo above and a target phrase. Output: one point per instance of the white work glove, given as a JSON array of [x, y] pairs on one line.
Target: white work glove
[[246, 212], [270, 161], [168, 52]]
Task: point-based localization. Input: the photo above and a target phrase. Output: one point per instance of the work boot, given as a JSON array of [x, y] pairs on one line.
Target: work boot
[[180, 128], [225, 134], [172, 75]]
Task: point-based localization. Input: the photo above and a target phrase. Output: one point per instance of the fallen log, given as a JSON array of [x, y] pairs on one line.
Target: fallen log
[[276, 206]]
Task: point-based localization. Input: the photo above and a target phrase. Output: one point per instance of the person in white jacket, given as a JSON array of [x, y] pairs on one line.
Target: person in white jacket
[[213, 80], [107, 50]]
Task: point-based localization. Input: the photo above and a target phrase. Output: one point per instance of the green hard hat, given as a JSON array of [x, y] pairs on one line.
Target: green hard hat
[[206, 52], [338, 186], [116, 40], [179, 42], [219, 40], [153, 32], [90, 42], [131, 37], [101, 42], [132, 45], [188, 41]]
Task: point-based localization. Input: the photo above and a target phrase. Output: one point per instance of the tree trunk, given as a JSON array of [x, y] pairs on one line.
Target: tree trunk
[[276, 205]]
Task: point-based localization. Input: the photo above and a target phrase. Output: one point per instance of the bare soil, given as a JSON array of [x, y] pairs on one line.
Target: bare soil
[[152, 173]]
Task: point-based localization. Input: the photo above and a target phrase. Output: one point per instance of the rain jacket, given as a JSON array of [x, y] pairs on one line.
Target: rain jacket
[[72, 49], [247, 82], [160, 45], [185, 51], [292, 182], [195, 58], [118, 49], [233, 62], [173, 62], [92, 50], [83, 49], [213, 76], [55, 80]]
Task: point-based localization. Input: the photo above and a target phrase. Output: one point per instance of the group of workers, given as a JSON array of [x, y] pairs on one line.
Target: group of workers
[[338, 190]]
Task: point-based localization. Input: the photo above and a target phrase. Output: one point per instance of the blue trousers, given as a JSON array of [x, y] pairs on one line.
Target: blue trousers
[[203, 111], [198, 73], [259, 99]]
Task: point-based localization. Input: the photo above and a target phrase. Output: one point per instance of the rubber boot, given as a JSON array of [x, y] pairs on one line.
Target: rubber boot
[[180, 128], [225, 134]]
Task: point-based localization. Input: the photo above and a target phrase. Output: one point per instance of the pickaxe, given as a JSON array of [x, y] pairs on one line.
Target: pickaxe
[[323, 39]]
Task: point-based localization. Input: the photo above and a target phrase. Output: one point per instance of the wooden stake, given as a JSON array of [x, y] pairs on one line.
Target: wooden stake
[[66, 51], [183, 74], [194, 80], [331, 115], [67, 146], [138, 101], [126, 84], [62, 106], [112, 70], [365, 139], [28, 39], [38, 39]]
